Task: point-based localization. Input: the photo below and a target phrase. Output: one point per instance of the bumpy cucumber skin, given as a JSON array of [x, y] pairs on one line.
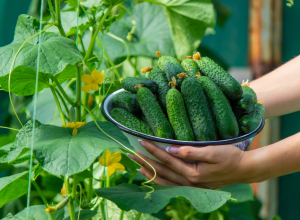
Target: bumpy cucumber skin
[[129, 83], [246, 102], [225, 120], [250, 121], [128, 101], [178, 116], [130, 121], [157, 120], [190, 67], [171, 67], [229, 86], [163, 85], [198, 109]]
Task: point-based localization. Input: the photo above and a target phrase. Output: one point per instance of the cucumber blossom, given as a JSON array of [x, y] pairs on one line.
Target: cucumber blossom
[[157, 120], [163, 85], [228, 85], [128, 101], [170, 66], [190, 67], [250, 121], [198, 109], [177, 114], [130, 121], [246, 103], [129, 84], [225, 120]]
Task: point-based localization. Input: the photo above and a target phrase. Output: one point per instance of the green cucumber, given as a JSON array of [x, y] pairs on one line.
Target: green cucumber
[[225, 120], [229, 86], [246, 102], [190, 67], [198, 109], [171, 67], [157, 120], [163, 85], [129, 84], [126, 100], [178, 115], [250, 121], [130, 121]]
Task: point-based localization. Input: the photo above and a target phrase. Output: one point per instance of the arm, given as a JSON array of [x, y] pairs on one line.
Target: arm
[[279, 90]]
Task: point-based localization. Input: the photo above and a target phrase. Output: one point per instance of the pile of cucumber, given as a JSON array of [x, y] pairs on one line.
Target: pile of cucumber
[[195, 100]]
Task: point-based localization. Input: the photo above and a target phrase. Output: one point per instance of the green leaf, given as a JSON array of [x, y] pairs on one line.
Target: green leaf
[[240, 192], [129, 196], [13, 187], [84, 215], [56, 51], [83, 175], [35, 213], [152, 34], [113, 2], [60, 153]]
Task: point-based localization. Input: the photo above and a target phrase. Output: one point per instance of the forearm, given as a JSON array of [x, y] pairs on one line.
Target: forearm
[[279, 90], [274, 160]]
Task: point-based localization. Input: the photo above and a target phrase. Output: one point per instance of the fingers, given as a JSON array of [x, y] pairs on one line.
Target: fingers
[[209, 154], [167, 159], [157, 180], [161, 170]]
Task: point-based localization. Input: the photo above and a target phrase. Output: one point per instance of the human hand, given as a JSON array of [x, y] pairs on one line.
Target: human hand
[[218, 166]]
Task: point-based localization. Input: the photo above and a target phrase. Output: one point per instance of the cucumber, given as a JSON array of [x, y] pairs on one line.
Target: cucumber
[[225, 120], [246, 102], [229, 86], [129, 84], [171, 67], [250, 121], [178, 116], [198, 109], [130, 121], [190, 67], [157, 120], [163, 85], [128, 101]]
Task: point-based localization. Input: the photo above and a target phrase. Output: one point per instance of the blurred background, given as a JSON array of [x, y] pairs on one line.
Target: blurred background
[[251, 39]]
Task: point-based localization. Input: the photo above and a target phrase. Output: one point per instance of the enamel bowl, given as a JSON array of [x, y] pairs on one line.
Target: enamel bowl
[[242, 142]]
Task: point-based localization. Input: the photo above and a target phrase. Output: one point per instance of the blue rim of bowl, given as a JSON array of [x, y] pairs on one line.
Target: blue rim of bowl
[[107, 116]]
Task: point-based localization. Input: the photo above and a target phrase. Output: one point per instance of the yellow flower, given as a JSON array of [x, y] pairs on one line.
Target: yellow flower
[[74, 125], [92, 81], [111, 161], [50, 209], [63, 190]]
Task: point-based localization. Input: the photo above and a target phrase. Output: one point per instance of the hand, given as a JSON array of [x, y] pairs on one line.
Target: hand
[[218, 166]]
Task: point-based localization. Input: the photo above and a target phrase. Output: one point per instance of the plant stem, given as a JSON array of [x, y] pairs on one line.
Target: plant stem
[[51, 10], [71, 203], [85, 101], [138, 216], [108, 58], [78, 93], [81, 43], [58, 105], [63, 101], [62, 90], [107, 179], [38, 189], [90, 49], [90, 184], [121, 215], [74, 188], [58, 20], [134, 66]]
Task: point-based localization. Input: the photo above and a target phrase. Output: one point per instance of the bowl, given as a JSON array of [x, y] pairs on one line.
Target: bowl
[[242, 142]]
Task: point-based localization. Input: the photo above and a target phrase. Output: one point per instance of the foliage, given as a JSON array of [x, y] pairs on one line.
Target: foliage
[[111, 34]]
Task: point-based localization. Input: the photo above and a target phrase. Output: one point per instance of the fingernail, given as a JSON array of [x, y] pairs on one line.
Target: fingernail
[[131, 156], [141, 172], [172, 150], [142, 143]]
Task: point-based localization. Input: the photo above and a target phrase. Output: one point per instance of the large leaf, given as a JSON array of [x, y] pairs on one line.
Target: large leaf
[[152, 34], [130, 196], [60, 153], [13, 187], [240, 192], [56, 52], [35, 213]]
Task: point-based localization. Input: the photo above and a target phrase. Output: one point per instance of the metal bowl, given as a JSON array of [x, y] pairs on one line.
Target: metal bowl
[[242, 142]]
